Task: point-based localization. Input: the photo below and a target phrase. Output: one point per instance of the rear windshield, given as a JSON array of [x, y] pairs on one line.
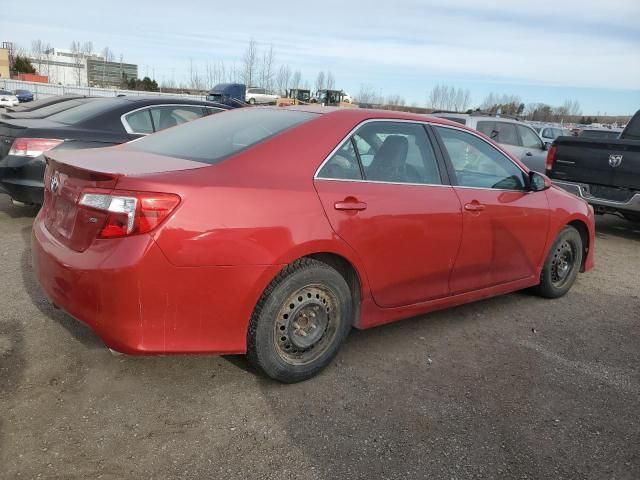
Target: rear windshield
[[216, 137], [456, 119], [79, 114], [599, 134], [58, 107]]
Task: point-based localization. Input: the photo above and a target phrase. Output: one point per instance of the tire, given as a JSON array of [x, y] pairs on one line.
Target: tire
[[252, 101], [300, 321], [562, 264]]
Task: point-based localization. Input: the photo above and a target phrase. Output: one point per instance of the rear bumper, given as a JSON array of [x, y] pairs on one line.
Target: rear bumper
[[583, 190], [22, 178], [139, 303]]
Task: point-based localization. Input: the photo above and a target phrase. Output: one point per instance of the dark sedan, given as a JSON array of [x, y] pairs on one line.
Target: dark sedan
[[24, 96], [100, 123]]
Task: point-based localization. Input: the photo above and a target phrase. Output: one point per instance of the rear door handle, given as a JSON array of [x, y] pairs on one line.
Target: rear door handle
[[474, 207], [350, 205]]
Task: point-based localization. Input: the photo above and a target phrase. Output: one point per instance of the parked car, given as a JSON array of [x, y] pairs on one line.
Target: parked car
[[48, 110], [603, 171], [517, 137], [229, 94], [8, 99], [41, 103], [24, 96], [549, 134], [260, 96], [105, 121], [347, 98], [273, 231]]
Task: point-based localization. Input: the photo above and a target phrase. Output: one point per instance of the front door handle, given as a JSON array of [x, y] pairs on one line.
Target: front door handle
[[350, 203], [529, 154], [474, 207]]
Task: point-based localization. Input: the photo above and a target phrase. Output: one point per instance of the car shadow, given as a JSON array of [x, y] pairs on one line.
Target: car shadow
[[17, 210], [80, 332], [617, 227]]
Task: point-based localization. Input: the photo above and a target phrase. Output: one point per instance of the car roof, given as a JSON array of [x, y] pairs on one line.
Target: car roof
[[362, 114]]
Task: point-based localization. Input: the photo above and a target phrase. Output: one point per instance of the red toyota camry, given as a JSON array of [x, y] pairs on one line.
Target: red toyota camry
[[273, 231]]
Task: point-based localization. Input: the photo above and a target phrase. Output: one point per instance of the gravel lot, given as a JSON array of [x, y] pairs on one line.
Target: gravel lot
[[514, 387]]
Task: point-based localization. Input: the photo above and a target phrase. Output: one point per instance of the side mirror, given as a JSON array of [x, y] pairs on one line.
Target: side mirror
[[538, 182]]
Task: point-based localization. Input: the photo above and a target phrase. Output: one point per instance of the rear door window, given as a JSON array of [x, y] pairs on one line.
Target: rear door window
[[500, 132], [139, 122], [166, 116]]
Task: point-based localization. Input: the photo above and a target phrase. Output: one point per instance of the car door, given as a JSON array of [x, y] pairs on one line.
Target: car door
[[504, 224], [386, 195], [534, 154]]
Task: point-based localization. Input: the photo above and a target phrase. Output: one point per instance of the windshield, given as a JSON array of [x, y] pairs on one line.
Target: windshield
[[86, 111], [4, 92], [56, 107], [217, 137]]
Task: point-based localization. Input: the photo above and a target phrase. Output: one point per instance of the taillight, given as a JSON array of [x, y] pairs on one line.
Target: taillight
[[32, 147], [130, 213], [551, 156]]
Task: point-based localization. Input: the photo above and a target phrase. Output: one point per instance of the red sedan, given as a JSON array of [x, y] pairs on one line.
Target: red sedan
[[273, 231]]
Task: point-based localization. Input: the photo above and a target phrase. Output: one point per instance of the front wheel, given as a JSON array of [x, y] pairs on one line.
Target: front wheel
[[300, 321], [562, 264]]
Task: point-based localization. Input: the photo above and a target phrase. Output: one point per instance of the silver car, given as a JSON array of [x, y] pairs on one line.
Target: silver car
[[549, 134], [517, 137]]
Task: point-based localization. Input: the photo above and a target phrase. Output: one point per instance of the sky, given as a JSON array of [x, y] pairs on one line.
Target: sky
[[543, 51]]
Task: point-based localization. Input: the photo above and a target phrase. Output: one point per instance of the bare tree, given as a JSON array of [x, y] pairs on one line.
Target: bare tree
[[331, 82], [282, 79], [38, 49], [78, 60], [296, 79], [196, 82], [368, 95], [266, 70], [249, 63], [320, 81]]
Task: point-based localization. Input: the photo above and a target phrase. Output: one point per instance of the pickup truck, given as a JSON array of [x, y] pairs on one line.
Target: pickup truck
[[605, 172]]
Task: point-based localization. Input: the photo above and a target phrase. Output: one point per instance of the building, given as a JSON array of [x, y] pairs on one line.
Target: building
[[66, 68], [101, 73], [4, 63]]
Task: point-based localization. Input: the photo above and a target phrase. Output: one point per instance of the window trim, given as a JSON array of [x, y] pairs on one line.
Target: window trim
[[451, 170], [130, 131], [444, 175]]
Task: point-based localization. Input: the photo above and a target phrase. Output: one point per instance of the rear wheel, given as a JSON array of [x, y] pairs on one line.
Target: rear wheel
[[562, 264], [252, 101], [300, 321]]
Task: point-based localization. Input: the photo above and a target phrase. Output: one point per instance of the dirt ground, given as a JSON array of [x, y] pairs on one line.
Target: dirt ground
[[514, 387]]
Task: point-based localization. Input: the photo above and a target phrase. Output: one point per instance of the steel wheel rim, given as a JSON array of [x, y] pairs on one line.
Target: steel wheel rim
[[306, 324], [563, 264]]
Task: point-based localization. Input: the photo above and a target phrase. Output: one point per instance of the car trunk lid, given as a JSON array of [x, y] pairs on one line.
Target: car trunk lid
[[70, 174]]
